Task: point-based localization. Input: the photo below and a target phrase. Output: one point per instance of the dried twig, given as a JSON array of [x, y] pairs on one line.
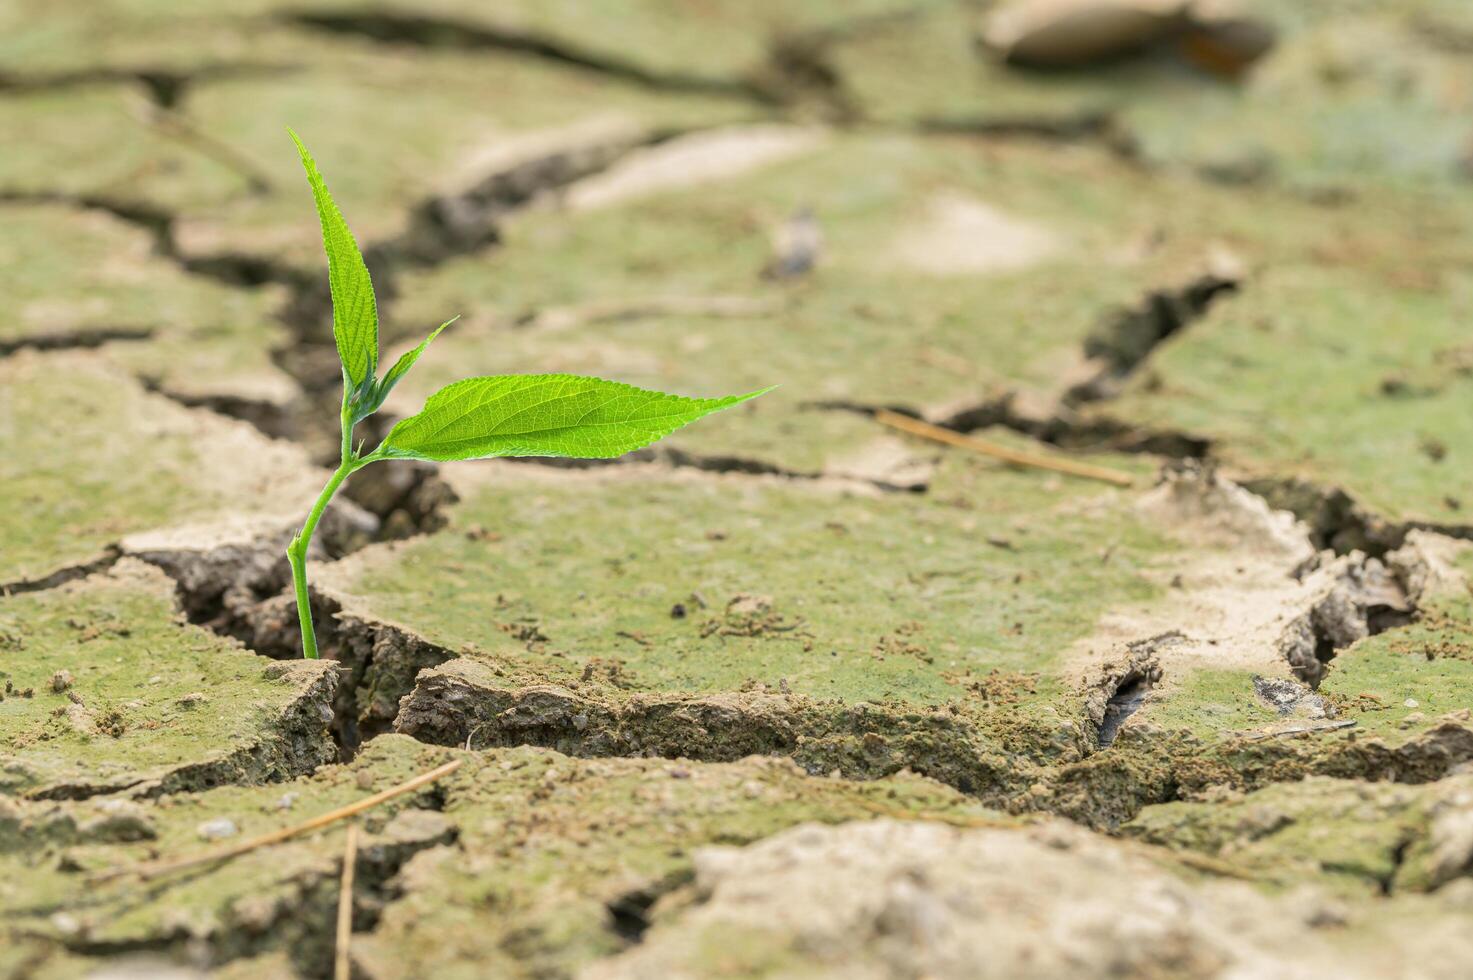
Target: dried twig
[[154, 869], [342, 967], [1016, 457]]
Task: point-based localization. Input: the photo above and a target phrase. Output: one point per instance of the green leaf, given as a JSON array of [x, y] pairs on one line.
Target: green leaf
[[367, 406], [354, 313], [403, 364], [543, 415]]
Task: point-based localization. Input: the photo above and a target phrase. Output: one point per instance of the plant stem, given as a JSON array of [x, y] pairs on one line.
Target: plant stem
[[296, 553]]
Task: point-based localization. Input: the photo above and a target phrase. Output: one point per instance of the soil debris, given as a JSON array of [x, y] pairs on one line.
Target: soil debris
[[931, 900]]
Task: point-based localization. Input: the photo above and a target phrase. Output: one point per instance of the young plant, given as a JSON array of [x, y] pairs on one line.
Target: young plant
[[505, 415]]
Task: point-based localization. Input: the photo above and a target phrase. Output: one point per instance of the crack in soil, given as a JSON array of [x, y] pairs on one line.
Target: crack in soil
[[165, 87], [425, 30], [300, 915], [629, 913], [1075, 127], [83, 339], [271, 419], [228, 268], [1123, 689], [62, 576], [724, 464], [1126, 337], [241, 592], [1363, 598]]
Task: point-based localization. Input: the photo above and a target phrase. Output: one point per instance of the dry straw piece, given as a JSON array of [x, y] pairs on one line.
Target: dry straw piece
[[1014, 456], [156, 868]]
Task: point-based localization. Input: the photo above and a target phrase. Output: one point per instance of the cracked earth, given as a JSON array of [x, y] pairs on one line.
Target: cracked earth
[[792, 693]]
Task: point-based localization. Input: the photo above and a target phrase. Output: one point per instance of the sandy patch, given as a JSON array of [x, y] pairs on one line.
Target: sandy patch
[[692, 160], [958, 235]]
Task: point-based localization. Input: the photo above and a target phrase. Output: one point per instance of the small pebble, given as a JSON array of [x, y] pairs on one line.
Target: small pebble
[[66, 923], [1410, 702], [61, 680], [365, 780], [218, 829], [286, 802]]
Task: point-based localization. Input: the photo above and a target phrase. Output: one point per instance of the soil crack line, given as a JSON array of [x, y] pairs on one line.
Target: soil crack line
[[446, 33]]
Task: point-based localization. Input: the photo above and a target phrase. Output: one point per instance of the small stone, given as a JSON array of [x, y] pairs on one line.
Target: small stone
[[61, 680], [192, 700], [66, 923], [1412, 720], [365, 780], [1325, 914], [287, 801], [1410, 702], [217, 829]]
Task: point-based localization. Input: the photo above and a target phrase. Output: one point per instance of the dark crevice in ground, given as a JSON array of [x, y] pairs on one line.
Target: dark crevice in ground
[[1366, 597], [1339, 522], [428, 31], [1127, 699], [1122, 340], [164, 87], [228, 268], [1386, 881], [684, 459], [1090, 125], [1065, 429], [1126, 337], [795, 69], [1123, 687], [1335, 520], [62, 576], [87, 338], [269, 418], [302, 922], [629, 913]]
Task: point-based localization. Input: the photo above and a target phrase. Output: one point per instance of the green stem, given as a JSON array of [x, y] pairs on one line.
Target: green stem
[[296, 553]]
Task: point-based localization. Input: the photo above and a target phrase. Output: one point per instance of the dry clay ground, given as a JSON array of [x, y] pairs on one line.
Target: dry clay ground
[[791, 694]]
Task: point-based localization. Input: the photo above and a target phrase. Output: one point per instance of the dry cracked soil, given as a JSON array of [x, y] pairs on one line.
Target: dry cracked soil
[[793, 693]]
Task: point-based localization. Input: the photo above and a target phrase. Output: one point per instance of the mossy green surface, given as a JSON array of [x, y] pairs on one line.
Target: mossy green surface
[[106, 689], [93, 140], [77, 277], [541, 846], [1359, 838], [1348, 95], [1335, 376], [906, 306], [446, 121], [831, 594], [684, 45], [92, 458]]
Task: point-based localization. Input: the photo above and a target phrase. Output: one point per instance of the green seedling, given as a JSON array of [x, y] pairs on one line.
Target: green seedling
[[506, 415]]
